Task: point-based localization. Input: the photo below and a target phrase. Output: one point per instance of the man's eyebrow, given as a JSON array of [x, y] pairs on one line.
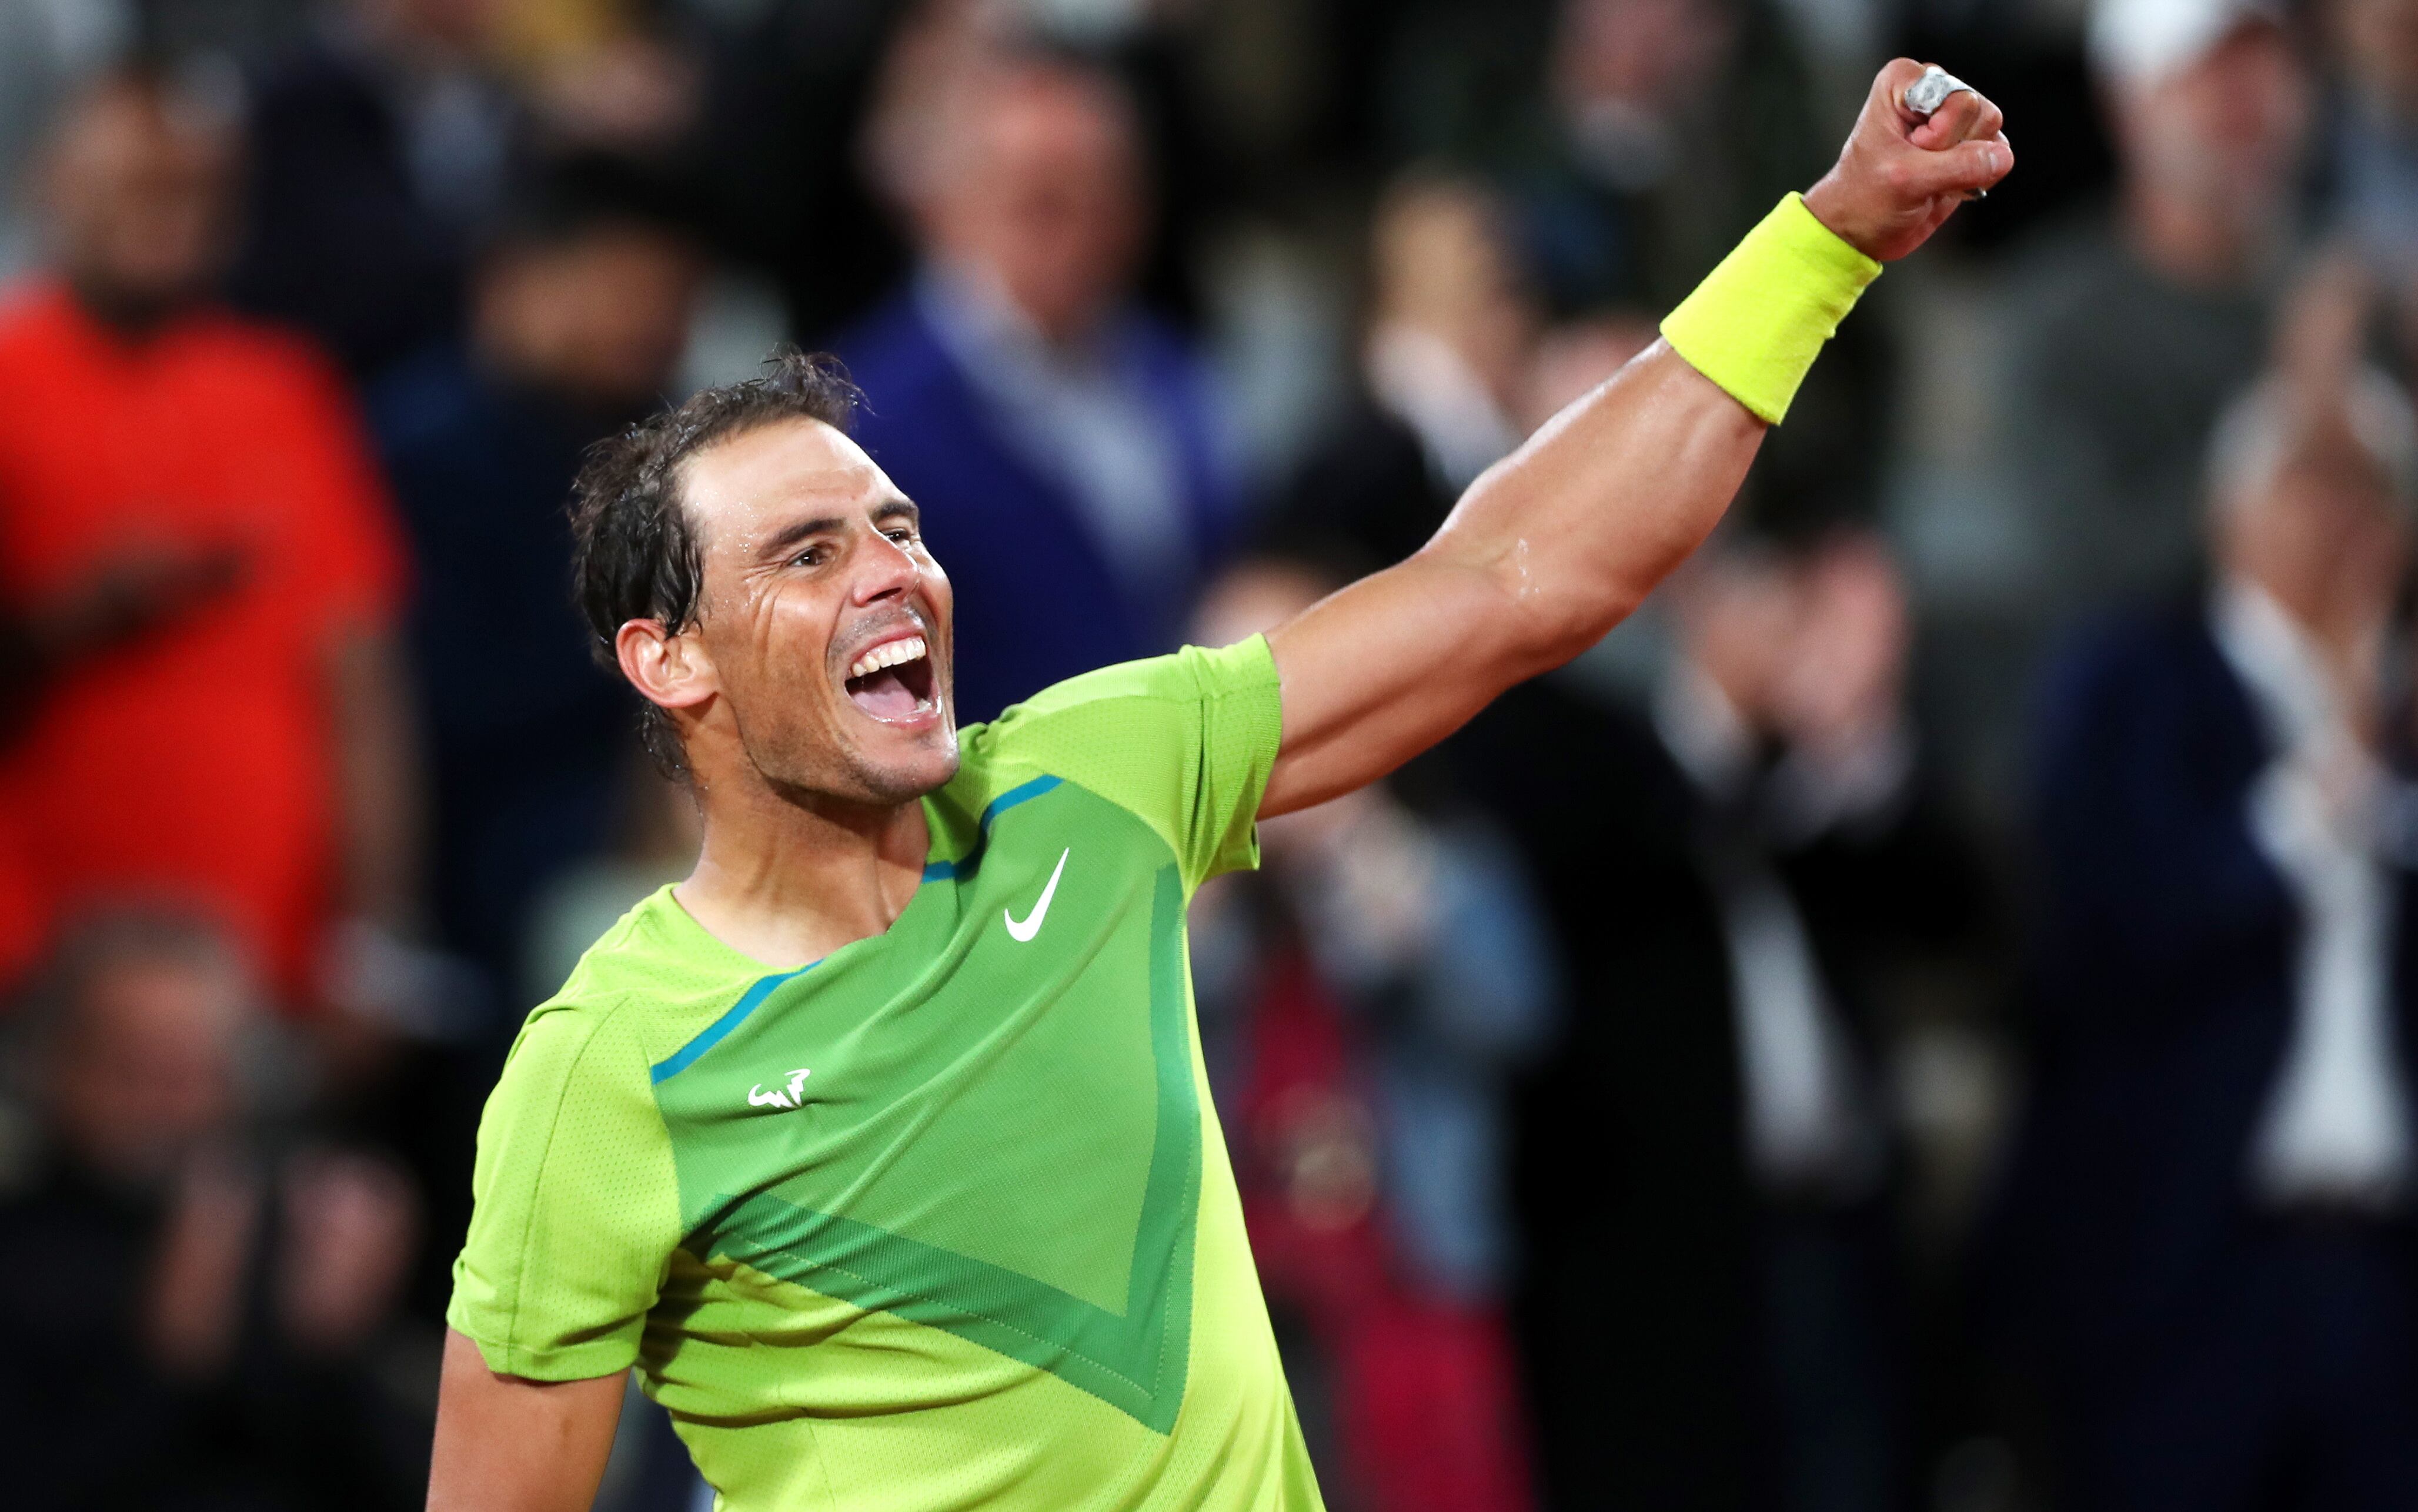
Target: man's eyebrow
[[899, 504], [798, 530]]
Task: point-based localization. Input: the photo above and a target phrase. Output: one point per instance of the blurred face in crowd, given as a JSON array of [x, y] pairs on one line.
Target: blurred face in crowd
[[2225, 132], [601, 317], [2377, 44], [143, 1069], [453, 25], [820, 654], [1808, 645], [1444, 266], [1042, 191], [1649, 55], [2324, 534], [1739, 608], [138, 188]]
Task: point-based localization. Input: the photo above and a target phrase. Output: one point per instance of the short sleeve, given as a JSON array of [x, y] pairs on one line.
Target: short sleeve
[[1184, 742], [577, 1206]]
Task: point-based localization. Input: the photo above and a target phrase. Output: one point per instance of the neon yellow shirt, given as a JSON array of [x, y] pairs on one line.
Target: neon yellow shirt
[[945, 1219]]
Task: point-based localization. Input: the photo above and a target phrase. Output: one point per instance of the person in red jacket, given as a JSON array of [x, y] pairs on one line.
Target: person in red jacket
[[200, 572]]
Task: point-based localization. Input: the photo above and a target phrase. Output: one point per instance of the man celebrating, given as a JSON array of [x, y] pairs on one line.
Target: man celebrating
[[880, 1144]]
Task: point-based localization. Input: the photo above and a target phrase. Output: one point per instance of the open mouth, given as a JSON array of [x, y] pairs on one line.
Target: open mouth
[[894, 680]]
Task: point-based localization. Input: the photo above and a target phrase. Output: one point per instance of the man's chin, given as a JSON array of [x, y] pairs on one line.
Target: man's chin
[[906, 775]]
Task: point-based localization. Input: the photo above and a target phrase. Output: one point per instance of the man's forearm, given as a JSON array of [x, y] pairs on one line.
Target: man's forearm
[[1547, 551], [1630, 479], [1559, 542], [1577, 527]]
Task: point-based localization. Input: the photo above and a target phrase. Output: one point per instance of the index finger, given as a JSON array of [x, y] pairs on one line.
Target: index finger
[[1966, 116], [1889, 87]]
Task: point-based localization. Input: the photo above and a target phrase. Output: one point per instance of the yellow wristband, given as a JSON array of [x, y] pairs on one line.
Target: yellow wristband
[[1758, 321]]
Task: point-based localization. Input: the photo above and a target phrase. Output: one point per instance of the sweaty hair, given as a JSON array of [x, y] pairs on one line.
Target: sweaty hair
[[634, 551]]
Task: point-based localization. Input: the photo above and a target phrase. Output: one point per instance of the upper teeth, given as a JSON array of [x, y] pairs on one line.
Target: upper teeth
[[892, 653]]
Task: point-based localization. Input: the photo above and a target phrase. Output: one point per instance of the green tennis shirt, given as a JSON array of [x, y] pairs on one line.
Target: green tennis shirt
[[943, 1219]]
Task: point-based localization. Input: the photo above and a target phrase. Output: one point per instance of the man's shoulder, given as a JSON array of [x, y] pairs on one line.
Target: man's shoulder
[[647, 985], [1181, 742], [1143, 692], [32, 314]]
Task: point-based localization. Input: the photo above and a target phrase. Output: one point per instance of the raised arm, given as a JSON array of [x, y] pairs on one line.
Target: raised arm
[[1562, 540]]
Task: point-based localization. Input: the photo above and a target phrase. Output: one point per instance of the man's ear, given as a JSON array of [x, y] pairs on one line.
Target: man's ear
[[669, 670]]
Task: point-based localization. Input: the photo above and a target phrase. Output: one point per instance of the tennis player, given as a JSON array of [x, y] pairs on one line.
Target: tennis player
[[880, 1145]]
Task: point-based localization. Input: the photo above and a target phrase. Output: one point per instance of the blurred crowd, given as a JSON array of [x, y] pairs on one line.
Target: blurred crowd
[[1919, 1018]]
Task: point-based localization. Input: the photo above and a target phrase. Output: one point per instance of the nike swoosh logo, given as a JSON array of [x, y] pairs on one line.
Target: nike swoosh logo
[[1022, 932]]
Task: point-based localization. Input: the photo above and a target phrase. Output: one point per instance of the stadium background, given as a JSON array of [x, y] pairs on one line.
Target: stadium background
[[1616, 1129]]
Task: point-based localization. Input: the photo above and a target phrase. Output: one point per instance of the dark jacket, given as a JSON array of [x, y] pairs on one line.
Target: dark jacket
[[1644, 1320], [2163, 994]]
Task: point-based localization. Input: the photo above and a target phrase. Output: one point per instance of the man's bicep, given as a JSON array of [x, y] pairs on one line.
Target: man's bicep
[[505, 1444], [1379, 671]]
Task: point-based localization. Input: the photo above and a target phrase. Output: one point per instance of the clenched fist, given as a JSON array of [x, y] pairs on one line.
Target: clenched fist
[[1901, 174]]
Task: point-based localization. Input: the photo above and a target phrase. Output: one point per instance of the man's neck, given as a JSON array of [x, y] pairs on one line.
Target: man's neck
[[133, 319], [787, 879]]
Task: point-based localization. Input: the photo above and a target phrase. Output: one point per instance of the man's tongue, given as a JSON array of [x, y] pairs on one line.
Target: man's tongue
[[883, 695]]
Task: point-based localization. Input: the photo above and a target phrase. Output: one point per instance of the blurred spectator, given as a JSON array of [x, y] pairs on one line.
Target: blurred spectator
[[604, 75], [194, 1316], [2209, 1226], [1450, 330], [580, 308], [1365, 1001], [206, 566], [656, 835], [1660, 132], [47, 49], [1052, 432], [380, 146], [1673, 125], [1741, 879], [2130, 331], [2372, 136]]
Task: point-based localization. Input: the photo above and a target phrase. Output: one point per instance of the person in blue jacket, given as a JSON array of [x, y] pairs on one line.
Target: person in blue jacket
[[1056, 436]]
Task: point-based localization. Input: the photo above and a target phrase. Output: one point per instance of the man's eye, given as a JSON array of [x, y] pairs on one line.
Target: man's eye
[[811, 557], [903, 534]]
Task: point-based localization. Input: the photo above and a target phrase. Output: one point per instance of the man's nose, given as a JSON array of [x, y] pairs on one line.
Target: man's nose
[[886, 570]]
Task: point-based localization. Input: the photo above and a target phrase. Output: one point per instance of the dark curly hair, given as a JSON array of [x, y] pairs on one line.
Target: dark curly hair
[[634, 551]]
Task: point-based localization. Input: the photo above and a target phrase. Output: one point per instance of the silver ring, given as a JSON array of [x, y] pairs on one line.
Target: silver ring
[[1928, 93]]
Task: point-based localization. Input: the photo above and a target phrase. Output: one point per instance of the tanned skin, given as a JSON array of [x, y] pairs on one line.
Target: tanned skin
[[814, 833]]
